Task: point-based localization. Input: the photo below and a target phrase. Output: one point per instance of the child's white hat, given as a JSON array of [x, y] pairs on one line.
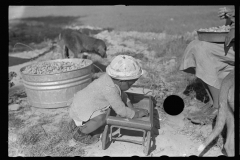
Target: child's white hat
[[124, 67]]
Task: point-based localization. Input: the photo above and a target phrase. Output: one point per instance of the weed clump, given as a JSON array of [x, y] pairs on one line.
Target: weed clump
[[32, 135], [35, 142]]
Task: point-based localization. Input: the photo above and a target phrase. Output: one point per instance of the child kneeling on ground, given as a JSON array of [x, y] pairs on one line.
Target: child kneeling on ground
[[89, 106]]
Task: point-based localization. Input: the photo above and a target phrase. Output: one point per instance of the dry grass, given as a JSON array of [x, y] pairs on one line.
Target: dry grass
[[14, 121], [34, 141], [32, 135], [40, 133], [174, 47]]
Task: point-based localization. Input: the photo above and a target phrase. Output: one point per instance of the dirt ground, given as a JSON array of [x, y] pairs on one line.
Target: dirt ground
[[176, 136]]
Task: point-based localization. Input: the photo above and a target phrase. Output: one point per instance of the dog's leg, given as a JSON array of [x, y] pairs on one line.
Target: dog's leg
[[232, 145], [66, 52], [61, 46], [230, 142], [229, 145]]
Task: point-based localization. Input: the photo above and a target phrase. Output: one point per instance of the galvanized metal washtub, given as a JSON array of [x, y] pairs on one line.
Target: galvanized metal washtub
[[56, 90]]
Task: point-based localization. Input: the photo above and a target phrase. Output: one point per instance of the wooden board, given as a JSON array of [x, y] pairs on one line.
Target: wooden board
[[139, 101]]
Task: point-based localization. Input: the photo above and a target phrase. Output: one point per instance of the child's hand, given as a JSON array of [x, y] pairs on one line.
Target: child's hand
[[140, 113], [129, 104]]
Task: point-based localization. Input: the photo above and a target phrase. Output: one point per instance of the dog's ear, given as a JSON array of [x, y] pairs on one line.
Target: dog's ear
[[101, 49], [105, 50], [59, 37]]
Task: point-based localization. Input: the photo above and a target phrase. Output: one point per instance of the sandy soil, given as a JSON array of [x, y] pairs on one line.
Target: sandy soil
[[177, 136]]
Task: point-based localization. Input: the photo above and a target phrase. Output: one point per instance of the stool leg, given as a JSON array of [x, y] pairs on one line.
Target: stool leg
[[105, 137], [144, 136], [111, 133], [147, 143]]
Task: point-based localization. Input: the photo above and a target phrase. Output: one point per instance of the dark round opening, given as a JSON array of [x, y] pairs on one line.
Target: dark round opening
[[173, 105]]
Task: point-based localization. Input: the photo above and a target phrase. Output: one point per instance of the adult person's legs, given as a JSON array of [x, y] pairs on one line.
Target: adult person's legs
[[213, 93], [209, 62]]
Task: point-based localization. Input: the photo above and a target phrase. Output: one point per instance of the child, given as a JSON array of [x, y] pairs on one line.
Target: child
[[89, 106]]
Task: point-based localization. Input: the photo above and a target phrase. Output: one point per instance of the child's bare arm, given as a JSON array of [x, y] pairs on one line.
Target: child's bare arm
[[138, 111], [129, 104], [126, 100], [112, 96]]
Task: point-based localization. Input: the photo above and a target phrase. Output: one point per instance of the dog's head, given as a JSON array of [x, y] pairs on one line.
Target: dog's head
[[101, 49]]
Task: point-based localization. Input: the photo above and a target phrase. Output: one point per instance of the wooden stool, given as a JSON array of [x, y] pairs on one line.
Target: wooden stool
[[143, 124]]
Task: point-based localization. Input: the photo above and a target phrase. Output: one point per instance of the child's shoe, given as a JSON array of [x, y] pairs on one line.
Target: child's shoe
[[85, 138], [71, 126], [79, 136]]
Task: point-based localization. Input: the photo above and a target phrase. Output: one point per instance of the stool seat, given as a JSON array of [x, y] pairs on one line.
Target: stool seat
[[138, 101], [132, 123], [143, 124]]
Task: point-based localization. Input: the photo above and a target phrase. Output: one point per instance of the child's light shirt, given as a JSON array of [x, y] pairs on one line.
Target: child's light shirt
[[99, 95]]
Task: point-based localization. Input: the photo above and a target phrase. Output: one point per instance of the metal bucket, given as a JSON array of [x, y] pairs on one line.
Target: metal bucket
[[212, 36], [56, 90]]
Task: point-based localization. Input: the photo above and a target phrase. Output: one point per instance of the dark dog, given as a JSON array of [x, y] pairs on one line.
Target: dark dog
[[225, 116], [74, 43]]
